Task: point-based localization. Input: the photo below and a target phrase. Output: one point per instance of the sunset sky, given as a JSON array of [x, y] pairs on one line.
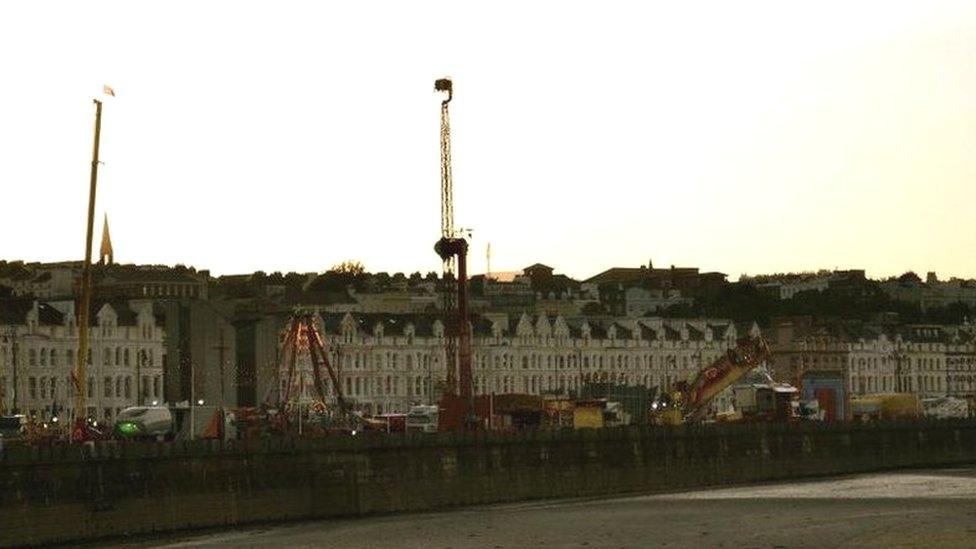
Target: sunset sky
[[764, 137]]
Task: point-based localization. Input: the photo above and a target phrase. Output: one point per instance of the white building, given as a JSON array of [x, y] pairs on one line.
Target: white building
[[641, 301], [38, 343], [931, 293], [390, 362], [929, 360], [788, 287]]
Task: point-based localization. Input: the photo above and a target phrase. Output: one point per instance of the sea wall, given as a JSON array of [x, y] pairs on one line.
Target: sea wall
[[66, 493]]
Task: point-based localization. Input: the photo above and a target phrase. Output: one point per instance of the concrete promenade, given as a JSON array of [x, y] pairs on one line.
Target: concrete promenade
[[932, 508], [62, 495]]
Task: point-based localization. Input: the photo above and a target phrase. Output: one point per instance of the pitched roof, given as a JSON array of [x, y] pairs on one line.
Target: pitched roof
[[623, 331], [718, 331], [14, 311], [125, 316], [618, 274], [598, 330], [575, 328], [321, 298], [648, 333], [393, 323], [925, 334]]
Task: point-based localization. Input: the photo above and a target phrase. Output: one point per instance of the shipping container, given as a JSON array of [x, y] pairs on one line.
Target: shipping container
[[827, 388]]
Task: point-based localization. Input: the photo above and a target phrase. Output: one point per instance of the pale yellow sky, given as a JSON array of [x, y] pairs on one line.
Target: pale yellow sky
[[768, 136]]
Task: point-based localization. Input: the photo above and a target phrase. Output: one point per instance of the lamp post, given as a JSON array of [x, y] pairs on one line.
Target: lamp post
[[897, 356], [192, 398], [3, 387], [579, 366], [430, 381], [14, 350], [301, 399], [221, 348]]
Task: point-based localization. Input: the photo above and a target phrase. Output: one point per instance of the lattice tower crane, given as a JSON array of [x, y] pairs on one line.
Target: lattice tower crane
[[453, 247], [447, 231], [447, 183]]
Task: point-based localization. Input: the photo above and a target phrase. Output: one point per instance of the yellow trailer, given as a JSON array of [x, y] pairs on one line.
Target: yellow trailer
[[587, 416], [886, 406]]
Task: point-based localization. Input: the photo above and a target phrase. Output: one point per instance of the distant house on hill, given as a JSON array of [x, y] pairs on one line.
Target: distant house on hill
[[687, 280], [635, 291]]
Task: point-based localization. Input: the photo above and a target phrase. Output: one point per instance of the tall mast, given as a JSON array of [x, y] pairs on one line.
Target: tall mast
[[81, 379], [453, 247]]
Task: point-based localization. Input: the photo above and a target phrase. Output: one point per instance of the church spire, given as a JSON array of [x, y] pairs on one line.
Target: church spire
[[106, 249]]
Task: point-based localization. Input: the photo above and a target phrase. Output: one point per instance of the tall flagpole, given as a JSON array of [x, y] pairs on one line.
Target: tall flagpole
[[81, 380]]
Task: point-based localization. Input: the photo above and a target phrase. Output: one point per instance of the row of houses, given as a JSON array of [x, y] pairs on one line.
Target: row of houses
[[38, 345], [532, 334], [929, 360], [387, 361], [390, 362]]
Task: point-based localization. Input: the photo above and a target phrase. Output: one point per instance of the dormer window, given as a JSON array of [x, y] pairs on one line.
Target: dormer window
[[348, 328]]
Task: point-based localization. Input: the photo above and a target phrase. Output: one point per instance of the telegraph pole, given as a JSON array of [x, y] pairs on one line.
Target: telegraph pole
[[3, 385], [81, 380], [139, 356], [15, 350], [430, 380]]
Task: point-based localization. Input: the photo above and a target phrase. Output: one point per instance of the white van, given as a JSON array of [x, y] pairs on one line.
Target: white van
[[145, 422], [422, 419]]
